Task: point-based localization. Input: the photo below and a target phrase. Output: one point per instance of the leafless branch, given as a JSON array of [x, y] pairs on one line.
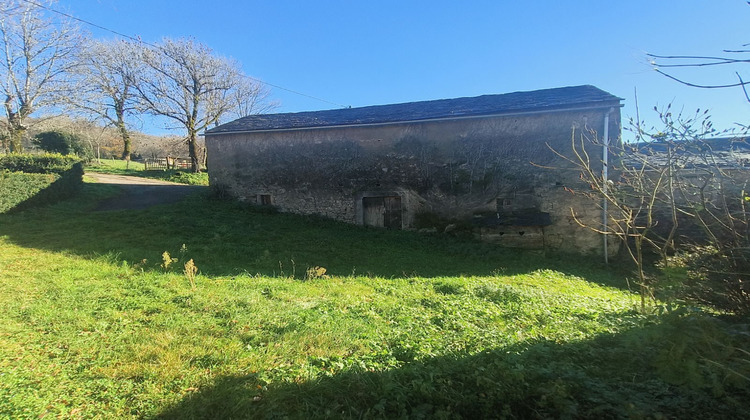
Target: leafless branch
[[686, 83], [36, 57], [186, 82]]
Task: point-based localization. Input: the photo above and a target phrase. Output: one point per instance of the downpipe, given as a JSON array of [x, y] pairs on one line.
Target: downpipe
[[605, 183]]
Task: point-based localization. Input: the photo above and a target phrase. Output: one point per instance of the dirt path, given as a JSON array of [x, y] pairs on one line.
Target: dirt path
[[140, 193]]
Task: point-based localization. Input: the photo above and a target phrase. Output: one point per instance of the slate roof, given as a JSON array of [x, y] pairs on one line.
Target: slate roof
[[726, 152], [533, 101]]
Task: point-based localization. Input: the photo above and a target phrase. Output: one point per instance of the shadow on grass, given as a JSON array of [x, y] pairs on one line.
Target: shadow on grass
[[67, 184], [679, 369], [138, 197], [229, 238]]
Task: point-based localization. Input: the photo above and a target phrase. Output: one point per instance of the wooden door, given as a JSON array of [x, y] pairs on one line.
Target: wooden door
[[374, 210], [382, 212], [392, 213]]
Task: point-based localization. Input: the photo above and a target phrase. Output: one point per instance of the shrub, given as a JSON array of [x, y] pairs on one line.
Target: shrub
[[718, 278], [190, 178], [63, 143], [17, 187], [49, 163], [29, 181]]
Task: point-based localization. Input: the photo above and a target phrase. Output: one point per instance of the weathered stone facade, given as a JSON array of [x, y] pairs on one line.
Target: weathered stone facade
[[495, 175]]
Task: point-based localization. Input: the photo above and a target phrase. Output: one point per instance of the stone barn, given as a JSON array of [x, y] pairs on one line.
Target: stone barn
[[483, 165]]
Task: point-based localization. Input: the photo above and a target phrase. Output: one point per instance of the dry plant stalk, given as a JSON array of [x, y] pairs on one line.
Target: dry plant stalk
[[190, 272]]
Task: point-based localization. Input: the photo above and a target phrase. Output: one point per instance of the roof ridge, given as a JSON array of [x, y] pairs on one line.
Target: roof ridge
[[488, 104]]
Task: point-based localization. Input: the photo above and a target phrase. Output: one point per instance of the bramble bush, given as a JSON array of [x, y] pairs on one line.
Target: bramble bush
[[719, 278]]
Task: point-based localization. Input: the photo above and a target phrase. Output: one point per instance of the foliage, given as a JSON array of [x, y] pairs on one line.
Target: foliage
[[402, 325], [49, 163], [63, 143], [718, 272], [118, 167], [714, 277], [191, 270], [167, 260], [674, 188], [702, 204], [182, 177], [537, 379], [250, 97], [17, 187], [316, 272], [19, 190]]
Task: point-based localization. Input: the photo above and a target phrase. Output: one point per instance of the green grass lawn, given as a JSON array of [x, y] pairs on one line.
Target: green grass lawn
[[98, 322], [121, 167]]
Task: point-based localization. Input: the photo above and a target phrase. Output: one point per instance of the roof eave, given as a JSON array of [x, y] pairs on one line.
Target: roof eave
[[610, 103]]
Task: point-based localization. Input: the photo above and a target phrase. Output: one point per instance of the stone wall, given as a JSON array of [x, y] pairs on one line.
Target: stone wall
[[485, 173]]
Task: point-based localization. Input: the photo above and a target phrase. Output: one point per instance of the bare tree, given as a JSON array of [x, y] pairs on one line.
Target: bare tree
[[666, 64], [670, 65], [189, 85], [36, 57], [630, 200], [106, 77], [671, 190], [251, 97]]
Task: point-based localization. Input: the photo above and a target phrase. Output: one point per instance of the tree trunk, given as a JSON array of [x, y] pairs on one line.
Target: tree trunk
[[16, 129], [125, 135], [193, 150], [16, 138]]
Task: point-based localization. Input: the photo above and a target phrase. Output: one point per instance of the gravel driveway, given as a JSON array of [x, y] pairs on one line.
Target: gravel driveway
[[140, 193]]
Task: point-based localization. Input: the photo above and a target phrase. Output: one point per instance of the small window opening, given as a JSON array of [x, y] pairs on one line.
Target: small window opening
[[265, 199]]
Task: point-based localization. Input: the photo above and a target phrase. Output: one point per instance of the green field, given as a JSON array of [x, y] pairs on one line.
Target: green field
[[302, 317], [121, 167]]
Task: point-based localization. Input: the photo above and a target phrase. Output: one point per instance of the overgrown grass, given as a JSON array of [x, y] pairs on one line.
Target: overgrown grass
[[121, 167], [96, 323]]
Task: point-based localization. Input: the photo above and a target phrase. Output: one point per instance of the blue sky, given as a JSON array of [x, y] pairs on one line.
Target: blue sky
[[359, 53]]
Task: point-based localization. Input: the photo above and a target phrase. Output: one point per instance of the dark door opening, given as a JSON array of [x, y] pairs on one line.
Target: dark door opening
[[382, 212]]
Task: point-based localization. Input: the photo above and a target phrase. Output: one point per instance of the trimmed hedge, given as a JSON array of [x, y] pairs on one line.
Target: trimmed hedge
[[49, 163], [36, 180]]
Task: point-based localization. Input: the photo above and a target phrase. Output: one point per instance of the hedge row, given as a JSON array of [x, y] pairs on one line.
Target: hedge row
[[35, 180], [50, 163]]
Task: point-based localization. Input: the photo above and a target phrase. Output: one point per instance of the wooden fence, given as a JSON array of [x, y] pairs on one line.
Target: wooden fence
[[162, 164]]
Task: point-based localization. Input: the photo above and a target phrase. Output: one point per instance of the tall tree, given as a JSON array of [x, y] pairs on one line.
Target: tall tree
[[190, 85], [107, 74], [251, 97], [36, 55]]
